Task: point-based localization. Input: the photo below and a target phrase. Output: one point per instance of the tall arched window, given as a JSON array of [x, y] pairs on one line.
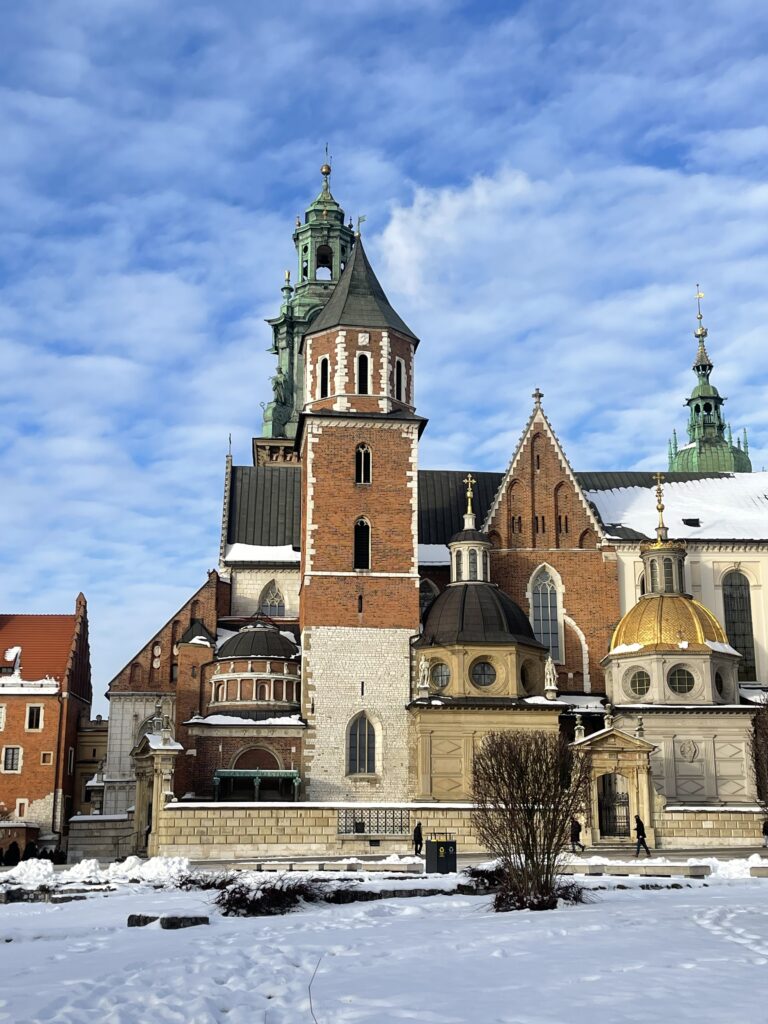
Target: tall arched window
[[459, 567], [654, 576], [361, 746], [668, 581], [324, 377], [362, 553], [472, 564], [362, 374], [546, 624], [737, 604], [399, 380], [486, 567], [362, 464], [272, 602]]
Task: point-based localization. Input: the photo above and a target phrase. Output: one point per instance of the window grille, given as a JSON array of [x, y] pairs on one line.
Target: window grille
[[272, 602], [362, 464], [11, 759], [374, 821]]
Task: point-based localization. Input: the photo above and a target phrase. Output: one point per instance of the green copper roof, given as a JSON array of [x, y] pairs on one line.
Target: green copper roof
[[359, 300]]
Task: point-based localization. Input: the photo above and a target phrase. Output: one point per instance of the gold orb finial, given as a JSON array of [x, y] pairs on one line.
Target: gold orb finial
[[325, 170]]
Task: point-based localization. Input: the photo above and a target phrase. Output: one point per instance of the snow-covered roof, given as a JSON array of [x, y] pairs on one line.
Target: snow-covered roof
[[732, 507], [278, 720], [261, 553], [14, 686]]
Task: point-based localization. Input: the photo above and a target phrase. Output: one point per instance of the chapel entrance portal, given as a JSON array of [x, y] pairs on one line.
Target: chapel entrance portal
[[613, 806]]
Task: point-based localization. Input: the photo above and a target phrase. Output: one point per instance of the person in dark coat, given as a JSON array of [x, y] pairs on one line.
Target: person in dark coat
[[576, 835], [640, 829], [12, 855], [765, 832], [418, 839]]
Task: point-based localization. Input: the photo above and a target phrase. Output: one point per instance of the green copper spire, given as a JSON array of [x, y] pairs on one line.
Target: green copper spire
[[323, 244], [708, 449]]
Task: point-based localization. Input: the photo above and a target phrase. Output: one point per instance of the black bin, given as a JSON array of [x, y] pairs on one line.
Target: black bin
[[441, 854]]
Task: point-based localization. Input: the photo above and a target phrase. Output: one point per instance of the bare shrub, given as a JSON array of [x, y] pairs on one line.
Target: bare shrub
[[277, 895], [760, 754], [526, 787]]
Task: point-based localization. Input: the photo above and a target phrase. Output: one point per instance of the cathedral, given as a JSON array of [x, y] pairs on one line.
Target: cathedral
[[370, 621]]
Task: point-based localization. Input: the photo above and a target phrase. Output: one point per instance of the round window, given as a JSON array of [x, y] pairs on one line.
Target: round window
[[719, 684], [440, 675], [639, 683], [483, 673], [680, 680]]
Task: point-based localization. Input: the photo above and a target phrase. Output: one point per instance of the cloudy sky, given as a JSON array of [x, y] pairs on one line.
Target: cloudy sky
[[544, 184]]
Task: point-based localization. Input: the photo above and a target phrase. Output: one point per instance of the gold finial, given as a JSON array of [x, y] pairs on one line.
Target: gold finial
[[325, 170], [287, 277], [470, 481], [661, 530], [701, 330]]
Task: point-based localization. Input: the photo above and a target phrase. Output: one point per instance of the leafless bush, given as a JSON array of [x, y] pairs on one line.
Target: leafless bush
[[277, 895], [527, 786], [760, 754]]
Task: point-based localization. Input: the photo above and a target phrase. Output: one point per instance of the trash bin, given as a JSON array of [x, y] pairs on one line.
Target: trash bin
[[441, 854]]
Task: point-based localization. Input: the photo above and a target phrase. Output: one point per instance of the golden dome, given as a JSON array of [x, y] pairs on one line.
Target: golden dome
[[664, 621]]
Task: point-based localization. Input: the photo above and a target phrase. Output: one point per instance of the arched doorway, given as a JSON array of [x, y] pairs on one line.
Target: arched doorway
[[613, 806], [257, 757]]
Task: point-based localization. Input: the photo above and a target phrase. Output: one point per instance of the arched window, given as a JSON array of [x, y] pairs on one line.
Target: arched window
[[362, 464], [427, 593], [362, 554], [737, 605], [654, 576], [399, 380], [324, 263], [642, 583], [361, 747], [668, 581], [486, 567], [681, 575], [272, 602], [323, 374], [362, 374], [546, 622], [472, 564], [459, 567]]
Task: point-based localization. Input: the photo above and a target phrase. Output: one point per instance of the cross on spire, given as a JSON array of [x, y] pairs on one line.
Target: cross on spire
[[661, 530], [537, 396], [470, 481], [701, 330]]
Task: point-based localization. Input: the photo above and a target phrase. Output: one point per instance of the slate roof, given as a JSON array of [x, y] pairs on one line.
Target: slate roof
[[475, 613], [265, 503], [358, 300]]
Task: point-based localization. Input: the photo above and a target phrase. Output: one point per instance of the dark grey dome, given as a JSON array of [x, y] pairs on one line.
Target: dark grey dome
[[258, 642], [475, 613], [466, 536]]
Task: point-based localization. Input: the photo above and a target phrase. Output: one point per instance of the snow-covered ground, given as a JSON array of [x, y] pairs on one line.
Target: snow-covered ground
[[691, 954]]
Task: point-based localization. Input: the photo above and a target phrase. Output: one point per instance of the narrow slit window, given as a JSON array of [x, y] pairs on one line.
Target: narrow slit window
[[362, 464], [324, 374], [399, 388], [362, 374], [362, 553]]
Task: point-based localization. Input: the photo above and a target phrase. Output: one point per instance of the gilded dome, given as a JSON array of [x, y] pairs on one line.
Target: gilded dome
[[666, 621]]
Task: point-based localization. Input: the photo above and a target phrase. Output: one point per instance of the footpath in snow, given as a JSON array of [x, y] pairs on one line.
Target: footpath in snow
[[698, 953]]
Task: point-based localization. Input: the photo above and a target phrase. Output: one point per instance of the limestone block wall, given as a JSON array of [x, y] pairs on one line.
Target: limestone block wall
[[248, 585], [203, 831], [104, 837], [127, 714], [346, 671], [708, 827]]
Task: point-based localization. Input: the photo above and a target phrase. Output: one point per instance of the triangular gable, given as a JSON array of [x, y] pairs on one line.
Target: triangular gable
[[538, 421], [614, 739]]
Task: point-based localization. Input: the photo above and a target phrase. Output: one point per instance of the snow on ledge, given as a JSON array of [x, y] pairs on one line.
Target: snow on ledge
[[327, 805], [261, 553], [279, 720], [627, 648]]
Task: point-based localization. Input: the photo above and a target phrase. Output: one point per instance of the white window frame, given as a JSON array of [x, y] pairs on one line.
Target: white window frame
[[2, 717], [12, 771], [404, 380], [19, 812], [369, 358], [27, 726], [46, 753], [320, 394]]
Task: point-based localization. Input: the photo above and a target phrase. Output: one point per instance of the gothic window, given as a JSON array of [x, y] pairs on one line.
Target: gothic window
[[362, 553], [459, 567], [399, 380], [546, 621], [427, 593], [272, 602], [361, 746], [323, 374], [362, 374], [472, 564], [737, 604], [362, 464], [668, 582]]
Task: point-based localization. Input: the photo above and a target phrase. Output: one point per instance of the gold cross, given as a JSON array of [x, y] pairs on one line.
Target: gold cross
[[470, 481]]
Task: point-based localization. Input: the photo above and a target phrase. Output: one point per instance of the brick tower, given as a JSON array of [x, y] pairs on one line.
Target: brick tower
[[358, 441]]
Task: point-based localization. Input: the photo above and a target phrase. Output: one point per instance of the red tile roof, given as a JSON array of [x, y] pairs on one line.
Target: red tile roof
[[45, 642]]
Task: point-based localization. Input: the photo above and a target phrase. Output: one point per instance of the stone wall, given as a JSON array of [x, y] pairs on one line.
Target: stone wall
[[248, 585], [709, 826], [127, 713], [103, 837]]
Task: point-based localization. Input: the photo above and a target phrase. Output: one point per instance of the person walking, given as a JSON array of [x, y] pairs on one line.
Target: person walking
[[765, 832], [418, 839], [640, 829], [576, 835]]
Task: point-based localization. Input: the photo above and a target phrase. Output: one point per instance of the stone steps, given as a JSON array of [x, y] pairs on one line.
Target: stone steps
[[646, 870]]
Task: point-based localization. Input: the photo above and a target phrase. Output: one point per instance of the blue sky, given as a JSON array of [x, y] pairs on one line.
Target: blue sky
[[544, 184]]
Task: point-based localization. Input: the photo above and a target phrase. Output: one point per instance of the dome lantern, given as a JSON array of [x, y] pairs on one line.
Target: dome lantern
[[470, 560]]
